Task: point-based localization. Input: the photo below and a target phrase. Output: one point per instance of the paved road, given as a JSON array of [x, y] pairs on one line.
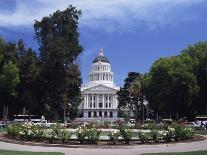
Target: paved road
[[128, 150]]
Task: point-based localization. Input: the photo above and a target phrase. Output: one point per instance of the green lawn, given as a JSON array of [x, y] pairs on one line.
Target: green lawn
[[185, 153], [4, 152], [201, 132]]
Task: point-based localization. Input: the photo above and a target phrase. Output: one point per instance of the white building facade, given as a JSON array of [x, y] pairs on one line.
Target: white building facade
[[99, 94]]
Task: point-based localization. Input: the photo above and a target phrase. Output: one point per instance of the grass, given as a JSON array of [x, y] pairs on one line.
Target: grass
[[2, 130], [4, 152], [201, 132], [183, 153]]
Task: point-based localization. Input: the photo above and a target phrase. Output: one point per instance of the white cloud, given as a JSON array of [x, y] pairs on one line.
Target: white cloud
[[108, 15]]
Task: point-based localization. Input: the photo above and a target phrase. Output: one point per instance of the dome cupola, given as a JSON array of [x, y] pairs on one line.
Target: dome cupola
[[101, 57], [101, 70]]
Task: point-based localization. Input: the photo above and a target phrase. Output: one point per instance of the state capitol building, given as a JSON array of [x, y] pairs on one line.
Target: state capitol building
[[99, 94]]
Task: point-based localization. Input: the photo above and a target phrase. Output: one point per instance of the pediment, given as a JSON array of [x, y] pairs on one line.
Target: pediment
[[101, 88]]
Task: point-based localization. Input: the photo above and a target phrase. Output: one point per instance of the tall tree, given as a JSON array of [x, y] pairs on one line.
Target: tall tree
[[58, 37], [9, 76], [27, 89], [136, 90], [171, 86], [125, 98]]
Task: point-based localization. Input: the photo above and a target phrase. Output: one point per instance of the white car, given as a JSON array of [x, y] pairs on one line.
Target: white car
[[192, 124]]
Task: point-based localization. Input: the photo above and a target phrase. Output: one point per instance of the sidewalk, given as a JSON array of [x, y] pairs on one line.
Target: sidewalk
[[128, 150]]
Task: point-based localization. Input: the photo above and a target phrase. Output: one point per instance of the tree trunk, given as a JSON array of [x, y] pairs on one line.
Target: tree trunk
[[157, 117], [5, 112], [3, 115], [29, 120], [23, 111], [137, 113], [142, 112]]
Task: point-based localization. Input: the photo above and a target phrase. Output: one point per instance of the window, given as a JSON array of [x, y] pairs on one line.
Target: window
[[100, 113], [106, 105], [105, 114], [95, 114], [109, 97], [91, 97], [109, 105], [94, 104], [91, 105], [100, 105], [111, 114], [89, 114]]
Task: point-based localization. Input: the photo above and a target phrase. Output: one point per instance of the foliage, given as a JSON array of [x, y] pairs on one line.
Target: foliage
[[65, 135], [58, 38], [176, 85], [81, 134], [127, 100], [143, 137], [13, 130], [113, 136], [155, 135], [168, 134], [93, 135], [126, 135]]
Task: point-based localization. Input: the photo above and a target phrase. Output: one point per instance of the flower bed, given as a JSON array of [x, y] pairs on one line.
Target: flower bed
[[92, 134]]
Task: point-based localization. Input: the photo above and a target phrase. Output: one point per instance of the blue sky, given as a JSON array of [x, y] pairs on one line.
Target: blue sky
[[133, 33]]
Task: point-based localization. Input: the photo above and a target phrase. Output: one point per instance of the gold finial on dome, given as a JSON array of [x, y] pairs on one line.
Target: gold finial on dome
[[101, 52]]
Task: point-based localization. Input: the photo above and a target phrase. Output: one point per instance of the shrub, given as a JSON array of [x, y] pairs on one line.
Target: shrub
[[13, 130], [178, 131], [81, 134], [143, 137], [155, 135], [113, 136], [50, 135], [187, 133], [149, 126], [168, 134], [38, 134], [65, 136], [126, 135], [93, 135]]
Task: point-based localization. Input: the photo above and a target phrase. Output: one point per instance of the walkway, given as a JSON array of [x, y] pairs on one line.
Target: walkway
[[123, 150]]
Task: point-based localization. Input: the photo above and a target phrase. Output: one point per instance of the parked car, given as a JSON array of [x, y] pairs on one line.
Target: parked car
[[193, 125], [2, 124]]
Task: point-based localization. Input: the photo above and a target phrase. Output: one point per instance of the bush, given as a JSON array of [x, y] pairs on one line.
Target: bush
[[50, 135], [65, 136], [187, 133], [168, 134], [126, 135], [93, 135], [113, 136], [81, 134], [155, 135], [13, 130], [143, 137]]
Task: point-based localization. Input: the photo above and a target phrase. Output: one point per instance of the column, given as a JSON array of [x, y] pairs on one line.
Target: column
[[103, 101], [115, 103], [92, 100], [84, 102], [113, 106], [87, 100], [97, 104], [108, 114], [108, 101]]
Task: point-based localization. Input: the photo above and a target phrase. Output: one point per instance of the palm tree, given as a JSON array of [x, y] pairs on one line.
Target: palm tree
[[136, 90]]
